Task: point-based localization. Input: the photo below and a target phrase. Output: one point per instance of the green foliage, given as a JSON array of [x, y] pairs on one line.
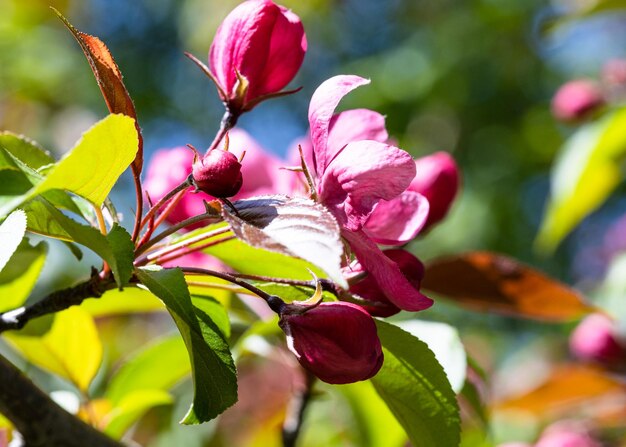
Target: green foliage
[[120, 302], [131, 407], [157, 367], [70, 349], [213, 369], [122, 251], [587, 171], [19, 276], [415, 388], [92, 167]]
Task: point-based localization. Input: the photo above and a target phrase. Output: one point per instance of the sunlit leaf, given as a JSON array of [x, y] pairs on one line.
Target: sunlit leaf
[[567, 386], [109, 78], [70, 349], [159, 366], [20, 274], [445, 343], [213, 369], [93, 166], [586, 172], [376, 426], [415, 388], [122, 249], [132, 407], [12, 231], [291, 226], [120, 302], [491, 282]]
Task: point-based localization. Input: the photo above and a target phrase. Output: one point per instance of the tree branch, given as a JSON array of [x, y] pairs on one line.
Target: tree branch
[[94, 287], [40, 421]]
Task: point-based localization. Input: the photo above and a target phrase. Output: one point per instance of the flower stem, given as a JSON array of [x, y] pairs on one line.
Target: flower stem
[[188, 250], [184, 185]]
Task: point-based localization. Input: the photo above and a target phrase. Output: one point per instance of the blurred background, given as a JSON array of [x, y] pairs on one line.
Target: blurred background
[[474, 78]]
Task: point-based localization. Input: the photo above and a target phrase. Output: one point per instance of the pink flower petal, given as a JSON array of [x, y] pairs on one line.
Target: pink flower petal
[[399, 220], [355, 125], [287, 48], [389, 278], [336, 341], [242, 42], [321, 110], [362, 174]]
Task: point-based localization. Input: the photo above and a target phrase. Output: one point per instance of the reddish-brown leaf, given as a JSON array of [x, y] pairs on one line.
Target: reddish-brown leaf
[[491, 282], [568, 388], [109, 78]]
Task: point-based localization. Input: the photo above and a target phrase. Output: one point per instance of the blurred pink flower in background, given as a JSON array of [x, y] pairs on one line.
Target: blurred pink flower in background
[[595, 339], [576, 100], [567, 433]]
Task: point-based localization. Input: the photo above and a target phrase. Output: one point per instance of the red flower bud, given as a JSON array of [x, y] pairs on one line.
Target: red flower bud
[[335, 341], [367, 288], [437, 179], [595, 339], [575, 100], [218, 173], [257, 51]]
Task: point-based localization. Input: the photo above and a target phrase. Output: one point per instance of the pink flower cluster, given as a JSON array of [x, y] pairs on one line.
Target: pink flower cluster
[[377, 192]]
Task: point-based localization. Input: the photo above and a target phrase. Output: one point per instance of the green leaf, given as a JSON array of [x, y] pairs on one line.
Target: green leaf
[[375, 424], [123, 251], [71, 349], [213, 369], [132, 407], [20, 274], [586, 172], [12, 232], [120, 302], [115, 250], [415, 388], [24, 149], [93, 166], [167, 355]]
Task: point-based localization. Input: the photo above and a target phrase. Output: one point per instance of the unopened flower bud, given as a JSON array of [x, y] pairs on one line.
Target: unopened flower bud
[[218, 173], [335, 341], [576, 100], [595, 339], [437, 179], [257, 51], [367, 288]]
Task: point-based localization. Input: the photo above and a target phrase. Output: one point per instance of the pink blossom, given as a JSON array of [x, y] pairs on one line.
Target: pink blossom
[[353, 177], [437, 179], [575, 100], [367, 288], [595, 339], [336, 341], [614, 72], [263, 43]]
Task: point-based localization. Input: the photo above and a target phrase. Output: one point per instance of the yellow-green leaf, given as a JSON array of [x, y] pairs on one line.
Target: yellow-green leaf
[[585, 174], [70, 349], [93, 166], [20, 275]]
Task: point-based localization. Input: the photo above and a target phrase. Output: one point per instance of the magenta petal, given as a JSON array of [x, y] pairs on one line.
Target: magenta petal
[[335, 341], [242, 43], [399, 220], [362, 174], [396, 287], [321, 109], [355, 125], [287, 49]]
